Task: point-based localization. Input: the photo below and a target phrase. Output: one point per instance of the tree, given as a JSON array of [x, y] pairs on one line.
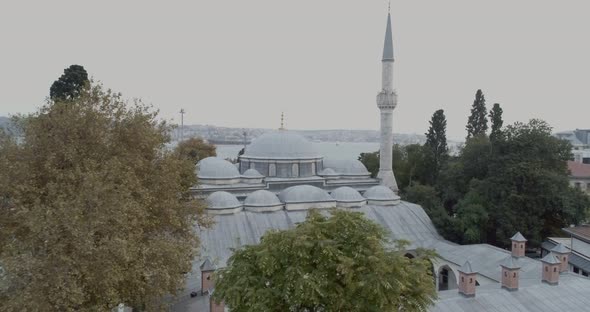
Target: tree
[[339, 262], [94, 210], [497, 122], [436, 144], [195, 149], [371, 162], [477, 122], [70, 84]]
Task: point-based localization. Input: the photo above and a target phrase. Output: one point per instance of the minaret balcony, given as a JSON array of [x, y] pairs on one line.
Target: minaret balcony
[[387, 99]]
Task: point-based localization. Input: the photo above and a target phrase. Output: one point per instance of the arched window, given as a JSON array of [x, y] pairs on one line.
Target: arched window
[[554, 270], [471, 281], [546, 269], [505, 274], [272, 170], [251, 165], [521, 246], [514, 274]]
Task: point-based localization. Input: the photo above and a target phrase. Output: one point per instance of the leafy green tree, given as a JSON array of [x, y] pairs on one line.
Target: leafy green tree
[[475, 158], [70, 85], [497, 122], [195, 149], [477, 123], [473, 216], [94, 210], [340, 262], [436, 149], [527, 185], [371, 162], [427, 197]]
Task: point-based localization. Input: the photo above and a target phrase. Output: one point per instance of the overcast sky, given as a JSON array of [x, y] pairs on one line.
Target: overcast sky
[[242, 63]]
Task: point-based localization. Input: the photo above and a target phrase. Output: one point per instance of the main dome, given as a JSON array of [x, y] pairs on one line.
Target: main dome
[[281, 144]]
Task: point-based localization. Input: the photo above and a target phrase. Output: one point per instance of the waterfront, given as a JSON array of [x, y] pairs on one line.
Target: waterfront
[[332, 150]]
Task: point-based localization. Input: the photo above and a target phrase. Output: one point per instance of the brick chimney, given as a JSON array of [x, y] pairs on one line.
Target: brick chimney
[[467, 279], [563, 254], [518, 245], [510, 272], [207, 269], [551, 269], [214, 306]]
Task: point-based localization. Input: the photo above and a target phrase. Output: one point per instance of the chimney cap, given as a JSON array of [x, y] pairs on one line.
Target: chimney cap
[[518, 237], [466, 268], [510, 263], [207, 266], [550, 259], [560, 249]]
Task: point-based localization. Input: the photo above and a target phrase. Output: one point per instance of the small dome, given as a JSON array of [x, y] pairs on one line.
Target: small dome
[[347, 194], [281, 144], [216, 168], [252, 173], [327, 172], [222, 200], [262, 198], [304, 194], [380, 192], [347, 166]]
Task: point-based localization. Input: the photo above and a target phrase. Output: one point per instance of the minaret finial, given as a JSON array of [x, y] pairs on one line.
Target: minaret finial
[[282, 121], [389, 7]]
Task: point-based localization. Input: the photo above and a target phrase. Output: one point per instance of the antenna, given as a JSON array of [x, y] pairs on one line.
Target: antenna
[[182, 112]]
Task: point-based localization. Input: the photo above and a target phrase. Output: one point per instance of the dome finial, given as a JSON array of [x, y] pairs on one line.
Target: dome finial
[[282, 121]]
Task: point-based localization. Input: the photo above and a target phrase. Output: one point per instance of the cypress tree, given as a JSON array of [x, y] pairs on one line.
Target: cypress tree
[[496, 120], [477, 122], [436, 143]]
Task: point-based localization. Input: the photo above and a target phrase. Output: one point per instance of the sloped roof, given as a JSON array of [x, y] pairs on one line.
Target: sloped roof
[[560, 248], [581, 231], [466, 268], [550, 259], [578, 169], [572, 294], [207, 265], [518, 237], [510, 263]]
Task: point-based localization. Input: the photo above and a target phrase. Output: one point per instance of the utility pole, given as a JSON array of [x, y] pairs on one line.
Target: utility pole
[[182, 112]]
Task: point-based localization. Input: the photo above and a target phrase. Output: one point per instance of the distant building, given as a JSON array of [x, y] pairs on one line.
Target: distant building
[[579, 245], [579, 138], [579, 175]]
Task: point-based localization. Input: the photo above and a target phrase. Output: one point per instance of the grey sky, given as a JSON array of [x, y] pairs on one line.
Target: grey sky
[[240, 63]]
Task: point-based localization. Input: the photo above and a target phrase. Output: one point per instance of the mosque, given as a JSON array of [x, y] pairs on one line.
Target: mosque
[[280, 176]]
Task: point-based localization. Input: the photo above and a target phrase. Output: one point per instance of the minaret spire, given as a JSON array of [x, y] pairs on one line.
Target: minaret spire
[[387, 101]]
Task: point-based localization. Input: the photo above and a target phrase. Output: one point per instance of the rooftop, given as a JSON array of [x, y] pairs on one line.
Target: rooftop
[[581, 231], [578, 170]]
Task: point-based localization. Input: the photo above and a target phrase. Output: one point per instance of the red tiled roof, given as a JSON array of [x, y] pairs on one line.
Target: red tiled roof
[[578, 169], [580, 231]]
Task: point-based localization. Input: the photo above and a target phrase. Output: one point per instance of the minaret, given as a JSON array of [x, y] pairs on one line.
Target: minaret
[[387, 101]]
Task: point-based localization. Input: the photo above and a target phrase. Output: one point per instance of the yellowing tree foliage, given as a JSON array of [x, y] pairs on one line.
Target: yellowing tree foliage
[[94, 211]]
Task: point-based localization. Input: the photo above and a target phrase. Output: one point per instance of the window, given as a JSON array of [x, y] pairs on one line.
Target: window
[[272, 170], [514, 274], [295, 170], [312, 168], [208, 277], [514, 246], [576, 270], [505, 274], [521, 246], [470, 281], [585, 273], [546, 269], [462, 279]]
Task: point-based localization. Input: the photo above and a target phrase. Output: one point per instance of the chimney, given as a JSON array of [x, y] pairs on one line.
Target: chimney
[[562, 253], [510, 271], [207, 269], [518, 245], [467, 279], [551, 269], [215, 306]]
